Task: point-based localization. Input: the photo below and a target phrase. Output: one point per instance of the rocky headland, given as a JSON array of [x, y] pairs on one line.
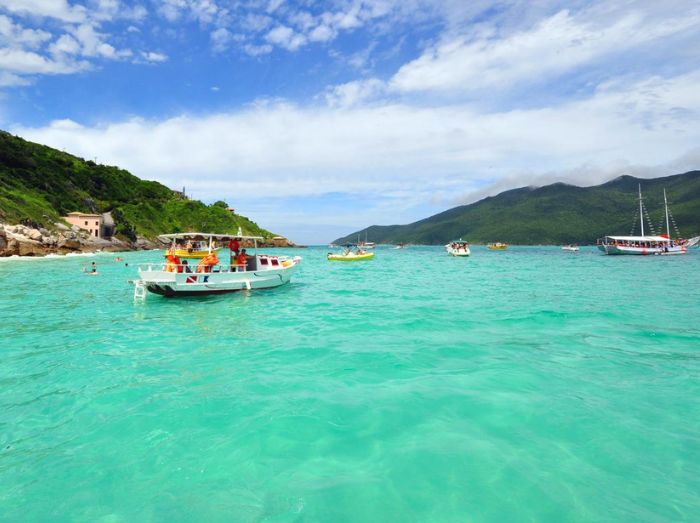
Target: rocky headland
[[24, 240]]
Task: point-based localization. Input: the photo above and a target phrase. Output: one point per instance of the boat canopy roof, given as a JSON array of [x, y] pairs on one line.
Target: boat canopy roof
[[199, 236], [640, 238]]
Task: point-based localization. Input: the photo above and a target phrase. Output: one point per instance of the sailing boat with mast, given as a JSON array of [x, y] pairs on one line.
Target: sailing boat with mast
[[365, 244], [645, 244]]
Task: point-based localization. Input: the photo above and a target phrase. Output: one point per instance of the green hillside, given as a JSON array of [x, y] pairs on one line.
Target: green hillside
[[554, 214], [39, 184]]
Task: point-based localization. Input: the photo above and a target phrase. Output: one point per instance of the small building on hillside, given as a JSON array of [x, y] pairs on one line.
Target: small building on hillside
[[89, 222]]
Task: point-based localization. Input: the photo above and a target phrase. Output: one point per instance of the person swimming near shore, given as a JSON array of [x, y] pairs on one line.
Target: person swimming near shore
[[92, 270]]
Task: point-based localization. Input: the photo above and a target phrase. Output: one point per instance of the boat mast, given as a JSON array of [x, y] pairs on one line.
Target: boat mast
[[668, 228], [641, 213]]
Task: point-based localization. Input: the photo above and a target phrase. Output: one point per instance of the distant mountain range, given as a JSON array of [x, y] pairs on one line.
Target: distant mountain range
[[39, 184], [554, 214]]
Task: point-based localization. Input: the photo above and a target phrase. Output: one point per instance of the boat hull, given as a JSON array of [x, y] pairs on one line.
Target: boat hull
[[171, 284], [460, 253], [352, 257], [642, 251]]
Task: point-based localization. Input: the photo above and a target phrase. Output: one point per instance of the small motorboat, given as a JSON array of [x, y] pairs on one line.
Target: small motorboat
[[350, 255], [498, 246], [458, 248], [188, 248], [572, 248]]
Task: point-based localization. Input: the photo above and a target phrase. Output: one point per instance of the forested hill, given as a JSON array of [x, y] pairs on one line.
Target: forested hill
[[553, 214], [39, 184]]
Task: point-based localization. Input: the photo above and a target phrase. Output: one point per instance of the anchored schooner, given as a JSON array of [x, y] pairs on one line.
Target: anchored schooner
[[661, 244]]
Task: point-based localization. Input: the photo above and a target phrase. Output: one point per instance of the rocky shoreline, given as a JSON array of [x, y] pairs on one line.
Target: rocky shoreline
[[23, 240]]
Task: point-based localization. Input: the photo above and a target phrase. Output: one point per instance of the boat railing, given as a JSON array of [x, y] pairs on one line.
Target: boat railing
[[264, 262], [187, 268]]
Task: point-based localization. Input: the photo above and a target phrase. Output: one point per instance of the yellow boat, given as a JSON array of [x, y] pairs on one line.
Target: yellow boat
[[498, 246], [350, 256], [191, 253]]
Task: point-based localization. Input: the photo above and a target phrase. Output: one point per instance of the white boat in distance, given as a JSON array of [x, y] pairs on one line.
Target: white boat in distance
[[365, 245], [458, 248], [260, 271], [572, 248], [644, 245]]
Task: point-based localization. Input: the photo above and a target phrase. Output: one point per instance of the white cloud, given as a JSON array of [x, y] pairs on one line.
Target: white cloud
[[257, 50], [424, 150], [353, 93], [14, 35], [203, 11], [172, 9], [322, 33], [285, 37], [555, 45], [220, 39], [26, 53], [154, 57], [93, 43], [58, 9], [19, 62], [274, 5], [8, 79], [65, 44]]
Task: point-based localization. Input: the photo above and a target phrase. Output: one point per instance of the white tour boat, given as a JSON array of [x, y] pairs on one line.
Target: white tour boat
[[458, 248], [210, 276], [645, 245]]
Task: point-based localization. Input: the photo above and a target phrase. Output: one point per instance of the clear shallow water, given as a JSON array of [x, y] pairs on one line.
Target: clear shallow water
[[525, 385]]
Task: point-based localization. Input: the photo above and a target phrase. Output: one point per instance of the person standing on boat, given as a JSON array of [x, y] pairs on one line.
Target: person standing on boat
[[234, 246], [242, 260]]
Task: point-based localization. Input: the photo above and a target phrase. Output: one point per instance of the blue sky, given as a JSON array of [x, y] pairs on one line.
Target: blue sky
[[319, 118]]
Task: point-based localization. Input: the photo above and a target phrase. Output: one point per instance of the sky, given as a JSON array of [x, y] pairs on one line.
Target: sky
[[316, 119]]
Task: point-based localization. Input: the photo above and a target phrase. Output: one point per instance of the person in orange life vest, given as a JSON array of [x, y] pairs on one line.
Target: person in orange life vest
[[173, 263], [208, 262], [242, 260], [176, 261]]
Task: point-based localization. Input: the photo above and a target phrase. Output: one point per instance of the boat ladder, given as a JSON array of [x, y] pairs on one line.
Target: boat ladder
[[139, 290]]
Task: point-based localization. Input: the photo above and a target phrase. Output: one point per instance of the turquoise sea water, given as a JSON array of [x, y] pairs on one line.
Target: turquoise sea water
[[525, 385]]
